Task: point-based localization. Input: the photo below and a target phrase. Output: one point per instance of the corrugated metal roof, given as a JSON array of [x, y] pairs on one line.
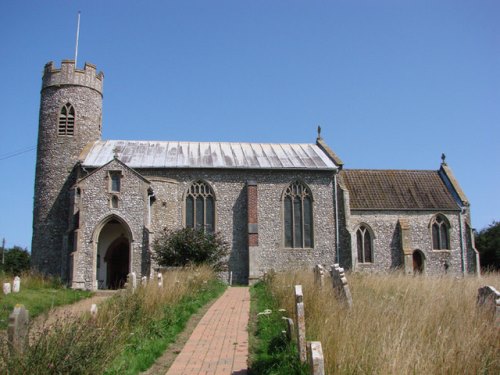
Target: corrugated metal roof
[[397, 190], [152, 154]]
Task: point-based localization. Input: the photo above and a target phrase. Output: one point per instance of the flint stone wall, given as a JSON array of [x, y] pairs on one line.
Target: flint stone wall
[[95, 210], [387, 253]]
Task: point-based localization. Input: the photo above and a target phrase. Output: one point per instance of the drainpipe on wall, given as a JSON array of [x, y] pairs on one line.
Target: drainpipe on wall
[[337, 240]]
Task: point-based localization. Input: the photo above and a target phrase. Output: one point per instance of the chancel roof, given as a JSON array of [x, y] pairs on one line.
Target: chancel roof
[[397, 190], [164, 154]]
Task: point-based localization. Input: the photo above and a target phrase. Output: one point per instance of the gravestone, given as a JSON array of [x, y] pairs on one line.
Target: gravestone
[[144, 281], [289, 328], [16, 285], [340, 285], [319, 275], [6, 288], [488, 298], [160, 280], [315, 358], [17, 331], [93, 310], [301, 322]]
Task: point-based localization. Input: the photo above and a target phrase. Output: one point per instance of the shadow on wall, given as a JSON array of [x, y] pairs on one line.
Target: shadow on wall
[[238, 258]]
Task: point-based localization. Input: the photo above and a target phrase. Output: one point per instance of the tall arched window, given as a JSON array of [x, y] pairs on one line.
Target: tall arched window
[[66, 120], [200, 207], [298, 216], [440, 233], [364, 245]]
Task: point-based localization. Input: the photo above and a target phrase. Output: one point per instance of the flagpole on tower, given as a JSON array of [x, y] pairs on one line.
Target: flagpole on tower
[[77, 36]]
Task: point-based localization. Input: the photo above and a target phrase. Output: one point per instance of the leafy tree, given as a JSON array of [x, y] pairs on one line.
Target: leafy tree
[[488, 245], [190, 246], [17, 260]]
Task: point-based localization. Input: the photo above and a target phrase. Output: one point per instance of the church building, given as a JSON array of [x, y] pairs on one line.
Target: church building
[[100, 204]]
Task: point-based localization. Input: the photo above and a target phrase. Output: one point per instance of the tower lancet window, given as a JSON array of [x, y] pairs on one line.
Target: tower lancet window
[[66, 120]]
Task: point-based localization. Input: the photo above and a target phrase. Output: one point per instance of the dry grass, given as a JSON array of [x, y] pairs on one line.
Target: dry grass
[[399, 324]]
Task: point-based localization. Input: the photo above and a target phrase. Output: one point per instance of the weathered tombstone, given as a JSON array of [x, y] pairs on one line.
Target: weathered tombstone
[[289, 328], [340, 285], [132, 281], [488, 298], [160, 280], [6, 288], [144, 281], [315, 358], [17, 331], [16, 285], [319, 275], [93, 310], [301, 322]]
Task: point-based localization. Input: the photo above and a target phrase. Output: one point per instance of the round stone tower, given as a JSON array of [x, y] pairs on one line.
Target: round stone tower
[[70, 119]]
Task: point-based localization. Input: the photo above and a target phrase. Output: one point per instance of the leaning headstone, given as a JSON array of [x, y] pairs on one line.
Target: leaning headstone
[[489, 299], [6, 288], [301, 322], [289, 328], [160, 280], [315, 358], [17, 331], [319, 275], [16, 285], [132, 281], [93, 310], [340, 285], [144, 281]]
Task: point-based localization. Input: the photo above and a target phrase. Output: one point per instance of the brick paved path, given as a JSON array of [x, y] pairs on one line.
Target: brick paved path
[[219, 343]]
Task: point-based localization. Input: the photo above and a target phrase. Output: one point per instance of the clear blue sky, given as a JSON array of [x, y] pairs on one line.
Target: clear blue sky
[[392, 83]]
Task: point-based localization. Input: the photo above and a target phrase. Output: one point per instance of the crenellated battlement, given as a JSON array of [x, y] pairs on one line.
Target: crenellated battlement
[[69, 75]]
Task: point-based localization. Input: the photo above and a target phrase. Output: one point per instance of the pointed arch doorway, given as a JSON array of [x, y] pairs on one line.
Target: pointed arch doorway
[[113, 255], [418, 262]]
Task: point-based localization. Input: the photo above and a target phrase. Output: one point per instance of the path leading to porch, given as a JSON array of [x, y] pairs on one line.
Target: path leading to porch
[[219, 343]]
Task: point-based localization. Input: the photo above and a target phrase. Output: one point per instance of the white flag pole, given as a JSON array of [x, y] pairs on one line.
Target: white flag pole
[[77, 36]]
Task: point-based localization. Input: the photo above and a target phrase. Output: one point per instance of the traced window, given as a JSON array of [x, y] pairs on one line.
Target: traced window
[[115, 184], [298, 216], [364, 245], [440, 233], [66, 125], [200, 207]]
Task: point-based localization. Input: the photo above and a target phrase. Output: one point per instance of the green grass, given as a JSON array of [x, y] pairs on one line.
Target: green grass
[[38, 298], [270, 353], [148, 342]]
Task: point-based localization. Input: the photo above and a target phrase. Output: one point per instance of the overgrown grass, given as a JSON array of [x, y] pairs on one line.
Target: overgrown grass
[[130, 331], [38, 294], [399, 324], [270, 353]]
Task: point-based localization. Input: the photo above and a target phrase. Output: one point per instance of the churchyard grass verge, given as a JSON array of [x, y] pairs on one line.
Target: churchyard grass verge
[[270, 353], [129, 332], [38, 294], [398, 324]]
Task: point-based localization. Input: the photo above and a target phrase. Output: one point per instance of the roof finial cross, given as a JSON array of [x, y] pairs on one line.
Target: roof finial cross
[[319, 132]]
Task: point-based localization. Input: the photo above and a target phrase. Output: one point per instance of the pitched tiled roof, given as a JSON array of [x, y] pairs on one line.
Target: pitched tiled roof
[[162, 154], [397, 190]]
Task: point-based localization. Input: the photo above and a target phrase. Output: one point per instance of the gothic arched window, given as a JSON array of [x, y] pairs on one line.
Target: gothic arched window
[[66, 124], [200, 207], [364, 245], [298, 216], [440, 233]]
